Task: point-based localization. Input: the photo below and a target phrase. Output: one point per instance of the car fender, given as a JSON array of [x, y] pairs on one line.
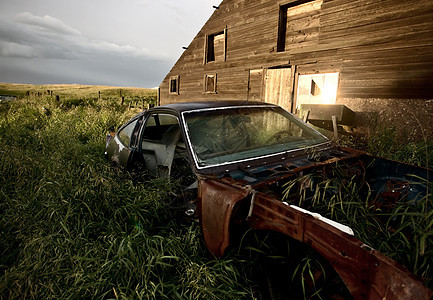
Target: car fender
[[215, 207], [367, 273]]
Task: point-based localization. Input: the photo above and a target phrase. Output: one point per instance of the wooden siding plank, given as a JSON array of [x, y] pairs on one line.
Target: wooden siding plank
[[391, 92], [346, 7], [410, 24], [378, 11], [381, 48]]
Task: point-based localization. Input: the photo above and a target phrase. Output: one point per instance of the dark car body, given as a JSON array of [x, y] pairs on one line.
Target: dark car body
[[243, 155]]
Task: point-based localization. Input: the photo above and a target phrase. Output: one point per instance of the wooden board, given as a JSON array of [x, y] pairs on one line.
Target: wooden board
[[381, 49]]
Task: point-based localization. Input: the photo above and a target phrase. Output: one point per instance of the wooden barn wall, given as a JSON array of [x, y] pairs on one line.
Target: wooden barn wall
[[381, 48]]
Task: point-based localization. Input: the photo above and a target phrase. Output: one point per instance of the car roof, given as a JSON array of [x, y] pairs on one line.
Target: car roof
[[187, 106]]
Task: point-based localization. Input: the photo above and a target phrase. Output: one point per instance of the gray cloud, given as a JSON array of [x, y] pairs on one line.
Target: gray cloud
[[107, 42], [47, 24], [49, 37], [106, 70], [41, 48]]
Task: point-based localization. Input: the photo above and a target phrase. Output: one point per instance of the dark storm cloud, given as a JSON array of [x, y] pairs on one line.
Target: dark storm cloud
[[45, 48]]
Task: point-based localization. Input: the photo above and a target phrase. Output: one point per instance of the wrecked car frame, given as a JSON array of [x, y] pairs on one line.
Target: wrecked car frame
[[251, 164]]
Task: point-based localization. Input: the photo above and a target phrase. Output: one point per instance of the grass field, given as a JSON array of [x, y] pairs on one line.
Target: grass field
[[74, 226]]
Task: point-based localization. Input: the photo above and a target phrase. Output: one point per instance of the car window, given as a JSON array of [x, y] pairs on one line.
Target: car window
[[134, 139], [125, 134], [157, 125], [235, 134]]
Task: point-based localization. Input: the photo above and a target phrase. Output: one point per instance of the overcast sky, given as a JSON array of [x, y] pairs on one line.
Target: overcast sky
[[108, 42]]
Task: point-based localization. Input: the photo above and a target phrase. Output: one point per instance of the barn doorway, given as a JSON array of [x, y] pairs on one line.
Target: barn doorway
[[273, 85], [317, 89]]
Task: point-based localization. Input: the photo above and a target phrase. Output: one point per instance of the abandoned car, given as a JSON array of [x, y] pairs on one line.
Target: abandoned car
[[255, 164]]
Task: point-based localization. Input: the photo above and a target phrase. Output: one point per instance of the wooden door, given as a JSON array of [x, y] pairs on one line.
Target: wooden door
[[255, 85], [278, 87]]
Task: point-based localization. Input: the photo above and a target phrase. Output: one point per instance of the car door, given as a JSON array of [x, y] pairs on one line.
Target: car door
[[158, 141], [123, 147]]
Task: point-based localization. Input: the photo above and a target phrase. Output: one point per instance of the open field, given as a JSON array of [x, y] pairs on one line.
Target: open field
[[74, 90], [74, 226]]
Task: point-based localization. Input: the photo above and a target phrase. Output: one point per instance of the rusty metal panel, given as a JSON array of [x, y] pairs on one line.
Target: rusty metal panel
[[271, 215], [367, 273], [216, 202]]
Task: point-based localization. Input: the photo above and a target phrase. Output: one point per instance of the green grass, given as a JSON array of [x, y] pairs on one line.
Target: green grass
[[74, 226], [395, 145], [402, 231]]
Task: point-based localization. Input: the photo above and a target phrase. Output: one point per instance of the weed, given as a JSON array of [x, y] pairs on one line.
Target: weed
[[402, 230], [73, 226]]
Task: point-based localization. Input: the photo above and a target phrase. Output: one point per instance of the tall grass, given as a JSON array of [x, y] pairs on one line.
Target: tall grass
[[74, 226], [395, 145], [402, 230]]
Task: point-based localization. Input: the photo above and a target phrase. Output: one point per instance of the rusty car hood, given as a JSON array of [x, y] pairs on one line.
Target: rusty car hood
[[252, 194]]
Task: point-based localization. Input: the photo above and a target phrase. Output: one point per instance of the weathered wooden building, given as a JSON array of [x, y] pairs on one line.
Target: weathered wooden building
[[373, 56]]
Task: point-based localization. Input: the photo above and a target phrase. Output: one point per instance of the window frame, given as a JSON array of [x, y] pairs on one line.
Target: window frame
[[133, 137], [205, 84], [283, 7], [170, 86], [157, 123], [207, 44]]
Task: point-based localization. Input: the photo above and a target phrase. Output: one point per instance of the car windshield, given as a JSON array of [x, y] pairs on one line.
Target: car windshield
[[226, 135]]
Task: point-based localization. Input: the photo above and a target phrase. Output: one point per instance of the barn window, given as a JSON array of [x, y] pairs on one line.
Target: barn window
[[174, 85], [298, 25], [210, 82], [215, 47], [317, 89]]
